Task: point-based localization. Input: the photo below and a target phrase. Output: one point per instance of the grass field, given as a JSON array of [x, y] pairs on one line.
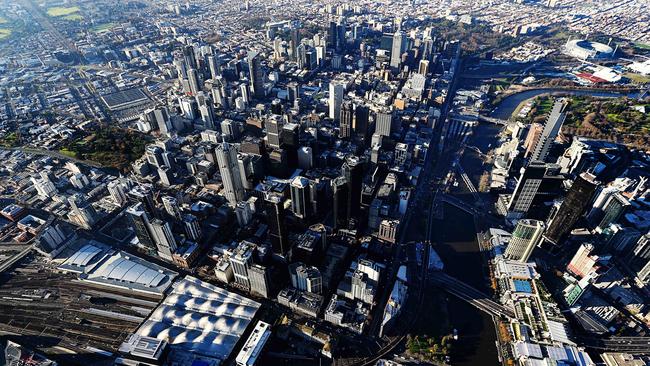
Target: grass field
[[3, 20], [102, 27], [73, 17], [637, 78], [642, 46], [62, 11], [4, 33]]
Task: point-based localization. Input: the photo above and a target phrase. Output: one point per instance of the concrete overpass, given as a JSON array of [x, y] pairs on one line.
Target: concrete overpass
[[471, 295], [493, 120]]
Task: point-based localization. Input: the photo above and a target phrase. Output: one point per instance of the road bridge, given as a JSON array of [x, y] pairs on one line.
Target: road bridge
[[471, 295], [493, 120]]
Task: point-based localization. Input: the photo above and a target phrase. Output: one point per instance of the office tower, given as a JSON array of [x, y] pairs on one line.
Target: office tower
[[337, 89], [388, 230], [189, 107], [241, 260], [256, 75], [295, 42], [230, 176], [245, 170], [229, 130], [82, 212], [612, 210], [639, 259], [341, 199], [572, 208], [189, 58], [213, 65], [171, 206], [398, 47], [275, 211], [193, 79], [384, 123], [79, 180], [549, 132], [361, 121], [306, 278], [140, 221], [582, 263], [293, 91], [276, 107], [345, 122], [192, 227], [165, 175], [527, 235], [423, 67], [352, 170], [153, 154], [273, 129], [162, 236], [538, 183], [116, 190], [305, 157], [300, 197], [260, 280], [207, 112], [301, 57]]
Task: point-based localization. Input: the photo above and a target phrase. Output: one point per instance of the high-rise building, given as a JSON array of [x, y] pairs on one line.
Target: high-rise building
[[116, 190], [277, 231], [352, 170], [143, 193], [345, 121], [256, 74], [612, 210], [341, 199], [300, 197], [384, 123], [388, 230], [582, 263], [241, 260], [306, 278], [230, 176], [193, 79], [171, 206], [639, 259], [337, 89], [273, 130], [83, 213], [550, 131], [423, 67], [162, 236], [260, 280], [526, 236], [539, 182], [192, 227], [140, 222], [361, 121], [572, 208], [398, 47]]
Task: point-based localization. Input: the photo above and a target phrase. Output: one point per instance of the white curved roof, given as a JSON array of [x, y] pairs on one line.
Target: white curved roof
[[201, 318], [84, 255], [125, 270]]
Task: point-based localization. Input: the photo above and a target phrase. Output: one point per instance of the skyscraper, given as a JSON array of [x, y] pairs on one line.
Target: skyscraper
[[275, 217], [300, 197], [613, 209], [398, 47], [140, 222], [527, 235], [193, 79], [305, 278], [341, 198], [345, 122], [260, 280], [538, 182], [639, 259], [337, 89], [82, 212], [549, 132], [384, 124], [230, 176], [573, 206], [273, 129], [353, 172], [192, 226], [256, 74], [161, 233], [241, 260], [361, 121], [116, 191]]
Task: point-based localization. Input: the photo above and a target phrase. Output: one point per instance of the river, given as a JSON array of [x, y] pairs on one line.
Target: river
[[510, 103]]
